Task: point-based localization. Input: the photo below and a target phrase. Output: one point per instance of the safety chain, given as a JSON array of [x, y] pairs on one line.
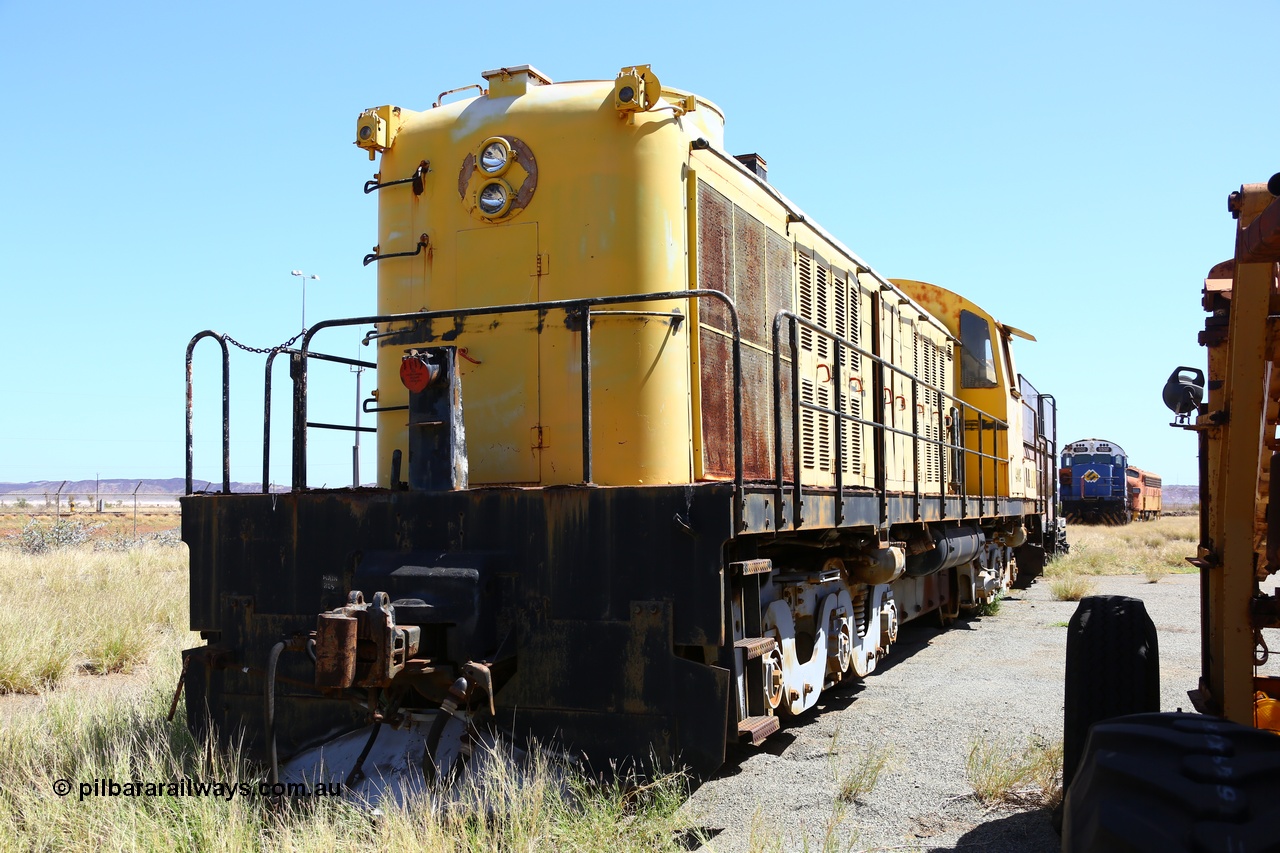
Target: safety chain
[[266, 350], [1261, 654]]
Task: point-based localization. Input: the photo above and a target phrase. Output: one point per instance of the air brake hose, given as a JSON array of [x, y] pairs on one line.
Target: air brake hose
[[270, 698], [357, 771], [456, 698]]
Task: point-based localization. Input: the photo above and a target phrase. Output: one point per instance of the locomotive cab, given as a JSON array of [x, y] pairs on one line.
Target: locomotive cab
[[989, 382]]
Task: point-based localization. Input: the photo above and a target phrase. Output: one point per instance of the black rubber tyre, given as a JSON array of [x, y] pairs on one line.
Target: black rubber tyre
[[1172, 783], [1113, 669]]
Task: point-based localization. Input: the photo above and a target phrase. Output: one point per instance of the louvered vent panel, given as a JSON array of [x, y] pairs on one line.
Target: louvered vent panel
[[808, 427], [840, 292], [851, 403], [928, 360], [821, 289], [805, 284], [855, 311], [826, 429]]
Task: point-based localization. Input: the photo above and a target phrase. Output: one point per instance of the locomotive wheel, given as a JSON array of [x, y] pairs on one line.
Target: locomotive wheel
[[1172, 783], [1113, 669], [773, 677]]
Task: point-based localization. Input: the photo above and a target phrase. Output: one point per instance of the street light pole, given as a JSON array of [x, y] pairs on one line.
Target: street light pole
[[300, 274]]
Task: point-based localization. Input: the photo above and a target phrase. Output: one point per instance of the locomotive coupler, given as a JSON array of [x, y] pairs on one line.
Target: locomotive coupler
[[360, 644]]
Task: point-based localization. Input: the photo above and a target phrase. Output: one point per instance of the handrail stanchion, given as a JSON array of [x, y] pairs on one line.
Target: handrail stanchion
[[226, 410], [797, 499], [298, 371], [982, 471], [779, 495], [915, 442], [839, 419], [942, 463], [586, 394]]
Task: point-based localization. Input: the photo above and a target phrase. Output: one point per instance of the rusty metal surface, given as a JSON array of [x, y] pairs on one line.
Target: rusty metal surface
[[757, 415], [524, 157], [757, 410], [717, 401], [752, 567], [1236, 428], [715, 252], [335, 650], [749, 271], [464, 175], [862, 509], [755, 647], [1238, 488], [1260, 241], [780, 260], [756, 729], [568, 587]]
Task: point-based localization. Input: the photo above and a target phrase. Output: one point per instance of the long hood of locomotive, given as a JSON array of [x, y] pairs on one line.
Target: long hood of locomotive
[[596, 208]]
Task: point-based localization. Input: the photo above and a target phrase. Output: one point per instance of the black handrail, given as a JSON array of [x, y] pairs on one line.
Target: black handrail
[[266, 403], [581, 307], [226, 408], [878, 423]]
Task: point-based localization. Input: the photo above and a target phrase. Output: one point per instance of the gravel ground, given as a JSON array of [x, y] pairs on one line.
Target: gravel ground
[[997, 677]]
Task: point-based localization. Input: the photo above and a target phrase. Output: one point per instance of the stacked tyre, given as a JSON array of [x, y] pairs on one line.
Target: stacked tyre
[[1136, 780]]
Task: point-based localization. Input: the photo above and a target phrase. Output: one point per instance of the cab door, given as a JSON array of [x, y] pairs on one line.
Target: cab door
[[498, 265]]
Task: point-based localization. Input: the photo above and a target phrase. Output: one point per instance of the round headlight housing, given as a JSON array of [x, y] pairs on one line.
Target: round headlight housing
[[494, 198], [495, 156]]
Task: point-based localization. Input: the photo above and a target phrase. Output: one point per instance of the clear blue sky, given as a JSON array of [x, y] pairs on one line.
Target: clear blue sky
[[167, 165]]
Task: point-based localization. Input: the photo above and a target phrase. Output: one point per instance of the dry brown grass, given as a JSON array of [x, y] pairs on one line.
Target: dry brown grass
[[1002, 771], [1150, 548], [1071, 587], [115, 522], [111, 611], [862, 772], [95, 611]]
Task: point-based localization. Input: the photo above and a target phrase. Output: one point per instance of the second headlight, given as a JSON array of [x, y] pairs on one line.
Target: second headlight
[[494, 198]]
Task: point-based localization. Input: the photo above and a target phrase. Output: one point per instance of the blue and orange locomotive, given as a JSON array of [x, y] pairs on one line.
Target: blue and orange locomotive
[[1098, 486]]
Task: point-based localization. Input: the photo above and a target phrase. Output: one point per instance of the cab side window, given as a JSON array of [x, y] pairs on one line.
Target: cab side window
[[977, 362]]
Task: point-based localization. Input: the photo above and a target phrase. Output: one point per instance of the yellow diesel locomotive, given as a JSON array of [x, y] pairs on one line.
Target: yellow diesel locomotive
[[659, 459]]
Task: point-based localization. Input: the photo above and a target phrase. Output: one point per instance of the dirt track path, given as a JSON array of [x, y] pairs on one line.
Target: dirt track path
[[995, 677]]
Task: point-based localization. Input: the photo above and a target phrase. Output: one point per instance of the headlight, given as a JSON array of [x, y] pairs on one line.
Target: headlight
[[497, 179], [495, 156], [494, 198]]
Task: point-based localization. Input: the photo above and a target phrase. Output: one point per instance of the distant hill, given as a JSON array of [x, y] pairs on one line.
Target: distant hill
[[1179, 496]]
